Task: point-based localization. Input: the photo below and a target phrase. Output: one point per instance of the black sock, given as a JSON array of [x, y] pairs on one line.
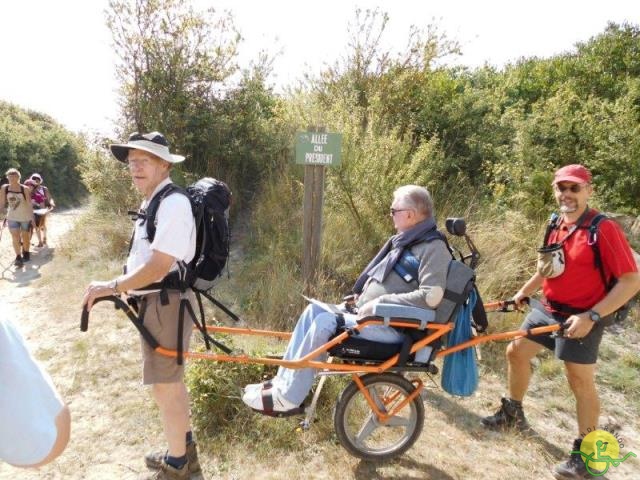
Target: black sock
[[515, 403], [177, 462], [189, 437]]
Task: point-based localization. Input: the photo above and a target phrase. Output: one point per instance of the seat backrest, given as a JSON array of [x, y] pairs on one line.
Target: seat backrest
[[460, 282]]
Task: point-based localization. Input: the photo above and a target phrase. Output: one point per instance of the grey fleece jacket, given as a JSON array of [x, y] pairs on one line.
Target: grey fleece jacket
[[434, 261]]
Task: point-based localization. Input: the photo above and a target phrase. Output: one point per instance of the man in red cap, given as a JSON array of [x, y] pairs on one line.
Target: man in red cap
[[585, 275]]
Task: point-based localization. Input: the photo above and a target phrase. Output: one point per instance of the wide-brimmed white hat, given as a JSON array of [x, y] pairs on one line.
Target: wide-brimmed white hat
[[153, 142]]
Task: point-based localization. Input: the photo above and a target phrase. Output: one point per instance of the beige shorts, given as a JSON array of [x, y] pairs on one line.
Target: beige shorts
[[162, 323]]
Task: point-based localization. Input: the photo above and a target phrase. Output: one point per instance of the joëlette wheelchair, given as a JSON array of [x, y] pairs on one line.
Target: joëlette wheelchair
[[380, 414]]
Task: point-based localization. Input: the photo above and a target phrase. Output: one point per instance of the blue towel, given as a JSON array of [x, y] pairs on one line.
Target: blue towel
[[460, 371]]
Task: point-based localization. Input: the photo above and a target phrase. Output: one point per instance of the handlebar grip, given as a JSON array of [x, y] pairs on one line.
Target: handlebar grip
[[84, 319]]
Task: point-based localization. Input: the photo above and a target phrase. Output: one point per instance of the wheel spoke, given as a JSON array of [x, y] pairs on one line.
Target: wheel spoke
[[377, 400], [398, 421], [367, 429]]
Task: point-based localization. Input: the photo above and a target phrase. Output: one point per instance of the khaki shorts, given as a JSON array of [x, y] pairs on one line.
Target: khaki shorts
[[162, 323]]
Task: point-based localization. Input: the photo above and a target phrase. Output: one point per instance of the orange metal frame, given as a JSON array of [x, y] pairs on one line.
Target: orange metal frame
[[437, 331], [307, 361]]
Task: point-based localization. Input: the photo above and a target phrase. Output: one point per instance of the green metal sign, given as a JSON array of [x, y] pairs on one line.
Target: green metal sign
[[318, 148]]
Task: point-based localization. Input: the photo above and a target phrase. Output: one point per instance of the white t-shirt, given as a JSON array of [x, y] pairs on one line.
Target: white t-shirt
[[29, 402], [175, 232]]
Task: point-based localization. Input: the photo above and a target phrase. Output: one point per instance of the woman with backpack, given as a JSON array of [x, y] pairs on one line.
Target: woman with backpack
[[41, 199], [17, 198]]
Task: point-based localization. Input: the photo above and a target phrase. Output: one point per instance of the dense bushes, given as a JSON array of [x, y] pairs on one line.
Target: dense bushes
[[33, 142]]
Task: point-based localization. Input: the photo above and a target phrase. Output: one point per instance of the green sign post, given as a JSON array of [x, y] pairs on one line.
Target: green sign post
[[315, 149], [318, 148]]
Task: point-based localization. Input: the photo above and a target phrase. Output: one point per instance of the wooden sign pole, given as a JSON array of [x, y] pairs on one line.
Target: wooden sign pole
[[312, 228]]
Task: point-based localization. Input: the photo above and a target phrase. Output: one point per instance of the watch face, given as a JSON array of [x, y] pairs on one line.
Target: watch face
[[595, 316]]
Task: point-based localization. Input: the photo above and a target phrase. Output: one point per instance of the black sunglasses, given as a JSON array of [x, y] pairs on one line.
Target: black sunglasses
[[575, 188], [393, 211]]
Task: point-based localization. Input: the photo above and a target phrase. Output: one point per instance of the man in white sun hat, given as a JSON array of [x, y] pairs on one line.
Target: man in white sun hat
[[148, 263]]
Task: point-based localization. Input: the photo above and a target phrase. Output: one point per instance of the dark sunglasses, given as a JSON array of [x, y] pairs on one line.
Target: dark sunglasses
[[393, 211], [575, 188]]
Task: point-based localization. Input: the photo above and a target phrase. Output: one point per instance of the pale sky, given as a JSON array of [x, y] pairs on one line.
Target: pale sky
[[57, 56]]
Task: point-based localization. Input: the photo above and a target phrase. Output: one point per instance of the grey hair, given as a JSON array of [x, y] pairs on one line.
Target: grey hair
[[417, 197]]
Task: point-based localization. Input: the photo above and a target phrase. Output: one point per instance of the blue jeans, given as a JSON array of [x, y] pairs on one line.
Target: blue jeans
[[14, 225], [314, 328]]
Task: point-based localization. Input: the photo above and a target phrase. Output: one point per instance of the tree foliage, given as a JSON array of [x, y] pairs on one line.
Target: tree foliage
[[178, 73], [33, 142]]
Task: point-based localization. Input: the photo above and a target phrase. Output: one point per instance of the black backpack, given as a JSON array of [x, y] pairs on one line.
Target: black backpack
[[210, 200]]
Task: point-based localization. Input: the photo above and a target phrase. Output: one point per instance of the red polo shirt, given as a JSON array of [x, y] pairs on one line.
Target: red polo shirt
[[581, 286]]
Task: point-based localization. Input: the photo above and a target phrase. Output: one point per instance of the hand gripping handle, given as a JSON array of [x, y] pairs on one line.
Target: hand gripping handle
[[84, 318]]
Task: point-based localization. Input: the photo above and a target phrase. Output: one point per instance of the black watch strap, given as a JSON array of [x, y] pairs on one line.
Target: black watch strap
[[594, 316]]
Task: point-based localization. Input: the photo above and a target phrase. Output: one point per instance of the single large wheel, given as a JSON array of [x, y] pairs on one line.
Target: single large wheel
[[360, 430]]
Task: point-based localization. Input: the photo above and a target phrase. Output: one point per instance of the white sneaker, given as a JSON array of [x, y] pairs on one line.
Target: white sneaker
[[266, 384], [253, 399]]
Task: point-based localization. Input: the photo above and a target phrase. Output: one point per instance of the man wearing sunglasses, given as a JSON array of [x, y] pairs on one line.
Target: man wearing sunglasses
[[413, 219], [577, 296], [149, 162]]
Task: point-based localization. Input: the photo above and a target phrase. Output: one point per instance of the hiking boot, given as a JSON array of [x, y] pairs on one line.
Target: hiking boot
[[18, 261], [509, 415], [167, 472], [574, 467], [154, 460], [26, 256]]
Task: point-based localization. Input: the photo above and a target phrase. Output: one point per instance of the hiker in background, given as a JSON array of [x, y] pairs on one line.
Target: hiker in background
[[413, 218], [17, 198], [42, 205], [35, 421], [578, 295], [150, 162], [34, 228]]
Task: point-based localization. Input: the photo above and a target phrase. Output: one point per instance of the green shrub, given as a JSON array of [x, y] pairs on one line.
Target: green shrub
[[218, 412]]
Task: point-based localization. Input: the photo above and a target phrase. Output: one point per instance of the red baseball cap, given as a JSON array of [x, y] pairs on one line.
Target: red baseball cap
[[572, 173]]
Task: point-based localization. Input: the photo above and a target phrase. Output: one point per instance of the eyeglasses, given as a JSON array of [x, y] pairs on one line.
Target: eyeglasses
[[393, 211], [142, 161], [575, 188]]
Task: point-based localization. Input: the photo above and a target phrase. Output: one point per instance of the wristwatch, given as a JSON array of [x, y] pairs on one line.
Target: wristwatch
[[594, 316]]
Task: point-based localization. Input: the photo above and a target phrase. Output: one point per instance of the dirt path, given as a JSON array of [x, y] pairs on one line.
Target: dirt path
[[22, 299], [17, 285], [42, 298]]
